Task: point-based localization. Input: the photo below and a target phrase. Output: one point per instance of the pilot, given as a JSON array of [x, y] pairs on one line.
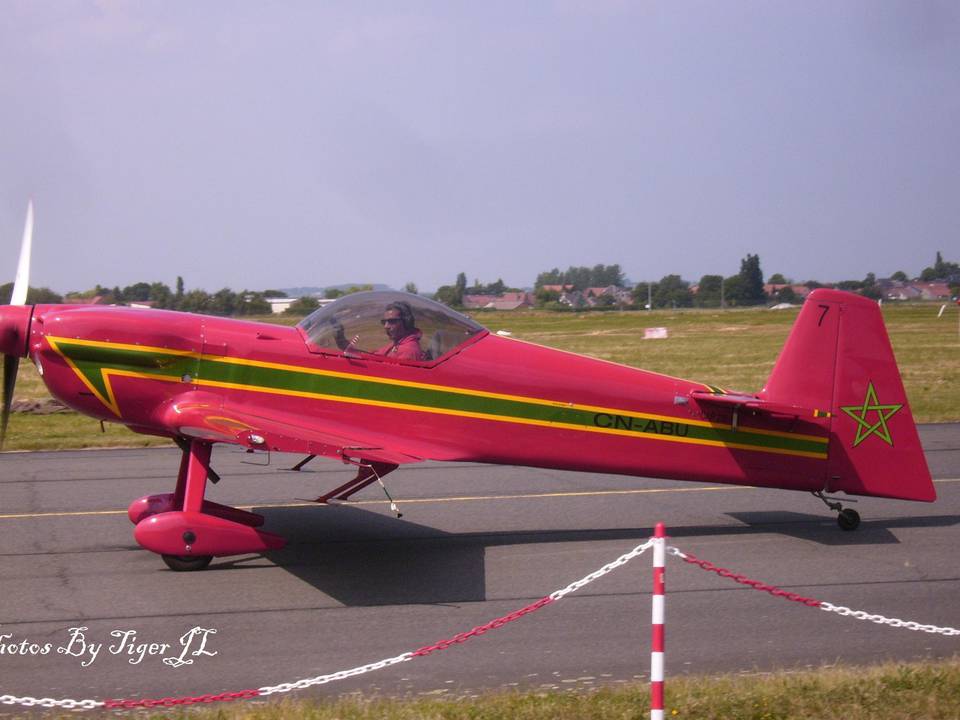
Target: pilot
[[399, 324]]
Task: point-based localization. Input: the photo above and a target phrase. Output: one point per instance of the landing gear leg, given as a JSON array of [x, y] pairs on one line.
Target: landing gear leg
[[191, 487], [847, 518], [299, 465], [187, 530], [367, 474]]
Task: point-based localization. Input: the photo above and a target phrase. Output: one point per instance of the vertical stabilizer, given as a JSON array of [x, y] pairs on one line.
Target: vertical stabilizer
[[838, 357], [804, 372]]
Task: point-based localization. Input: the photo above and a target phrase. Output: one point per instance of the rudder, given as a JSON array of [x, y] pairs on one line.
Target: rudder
[[838, 358]]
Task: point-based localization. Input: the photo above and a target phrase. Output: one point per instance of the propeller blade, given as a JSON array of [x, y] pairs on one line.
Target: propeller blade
[[11, 332], [10, 365], [22, 282]]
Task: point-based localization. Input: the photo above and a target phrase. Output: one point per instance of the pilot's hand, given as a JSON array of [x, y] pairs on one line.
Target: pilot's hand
[[338, 335], [349, 347]]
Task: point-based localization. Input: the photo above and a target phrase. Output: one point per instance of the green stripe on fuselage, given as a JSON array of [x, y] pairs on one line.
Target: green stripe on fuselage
[[91, 359]]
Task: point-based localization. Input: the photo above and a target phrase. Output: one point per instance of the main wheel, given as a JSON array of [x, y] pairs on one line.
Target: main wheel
[[187, 563], [848, 519]]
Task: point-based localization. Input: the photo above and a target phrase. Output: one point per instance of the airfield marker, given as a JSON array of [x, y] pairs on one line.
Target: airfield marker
[[657, 634]]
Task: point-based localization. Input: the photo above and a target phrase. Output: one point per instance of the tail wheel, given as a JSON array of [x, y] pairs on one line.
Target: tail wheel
[[848, 519], [187, 563]]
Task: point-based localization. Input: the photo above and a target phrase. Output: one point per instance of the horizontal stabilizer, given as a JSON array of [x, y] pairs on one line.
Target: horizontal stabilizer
[[757, 404]]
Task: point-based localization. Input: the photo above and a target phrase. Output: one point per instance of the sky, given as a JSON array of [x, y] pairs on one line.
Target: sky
[[281, 144]]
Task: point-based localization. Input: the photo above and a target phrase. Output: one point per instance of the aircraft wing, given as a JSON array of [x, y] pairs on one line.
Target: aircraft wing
[[720, 398], [202, 415]]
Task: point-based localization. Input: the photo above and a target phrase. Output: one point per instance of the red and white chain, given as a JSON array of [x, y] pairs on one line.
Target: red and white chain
[[609, 567], [811, 602], [892, 622], [331, 677], [65, 703], [464, 636], [69, 704], [743, 579]]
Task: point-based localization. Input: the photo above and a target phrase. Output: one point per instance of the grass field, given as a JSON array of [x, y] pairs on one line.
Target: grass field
[[735, 349], [923, 691]]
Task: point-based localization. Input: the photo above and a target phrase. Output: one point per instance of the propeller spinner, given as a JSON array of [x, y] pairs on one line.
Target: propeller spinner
[[15, 324]]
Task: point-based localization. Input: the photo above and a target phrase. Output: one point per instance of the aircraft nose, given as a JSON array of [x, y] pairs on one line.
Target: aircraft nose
[[15, 329]]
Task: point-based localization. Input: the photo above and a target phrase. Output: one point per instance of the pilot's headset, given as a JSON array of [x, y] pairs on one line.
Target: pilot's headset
[[406, 314]]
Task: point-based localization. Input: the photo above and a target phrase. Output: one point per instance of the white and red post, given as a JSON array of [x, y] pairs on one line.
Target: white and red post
[[657, 636]]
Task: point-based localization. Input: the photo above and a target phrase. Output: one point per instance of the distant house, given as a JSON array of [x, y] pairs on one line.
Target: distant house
[[477, 302], [598, 292], [572, 298], [915, 290], [513, 300], [773, 290], [557, 288], [506, 301], [95, 300], [619, 295], [933, 290], [901, 291]]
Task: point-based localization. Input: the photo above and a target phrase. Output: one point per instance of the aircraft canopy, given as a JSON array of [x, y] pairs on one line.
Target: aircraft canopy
[[333, 328]]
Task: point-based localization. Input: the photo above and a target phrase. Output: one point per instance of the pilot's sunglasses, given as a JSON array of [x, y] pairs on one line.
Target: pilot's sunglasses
[[389, 321]]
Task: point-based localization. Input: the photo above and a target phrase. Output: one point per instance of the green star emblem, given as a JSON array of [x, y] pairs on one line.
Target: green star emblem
[[866, 428]]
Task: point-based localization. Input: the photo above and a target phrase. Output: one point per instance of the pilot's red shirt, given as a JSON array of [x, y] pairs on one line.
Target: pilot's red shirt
[[408, 348]]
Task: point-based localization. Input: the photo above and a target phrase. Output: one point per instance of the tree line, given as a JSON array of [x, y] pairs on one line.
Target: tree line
[[159, 295], [741, 290], [746, 288], [452, 295], [582, 277]]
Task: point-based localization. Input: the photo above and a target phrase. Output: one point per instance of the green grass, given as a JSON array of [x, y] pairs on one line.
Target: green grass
[[889, 692], [71, 430], [735, 349]]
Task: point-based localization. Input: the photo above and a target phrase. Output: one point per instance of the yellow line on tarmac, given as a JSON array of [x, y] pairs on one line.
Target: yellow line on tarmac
[[77, 513], [473, 498], [411, 501]]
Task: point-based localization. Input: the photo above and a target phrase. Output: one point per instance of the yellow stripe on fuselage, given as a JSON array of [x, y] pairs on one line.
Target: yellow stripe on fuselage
[[503, 396], [112, 404], [512, 419]]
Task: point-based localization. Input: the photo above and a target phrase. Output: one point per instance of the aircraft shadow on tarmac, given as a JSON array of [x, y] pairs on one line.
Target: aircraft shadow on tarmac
[[823, 529], [363, 558], [360, 557]]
